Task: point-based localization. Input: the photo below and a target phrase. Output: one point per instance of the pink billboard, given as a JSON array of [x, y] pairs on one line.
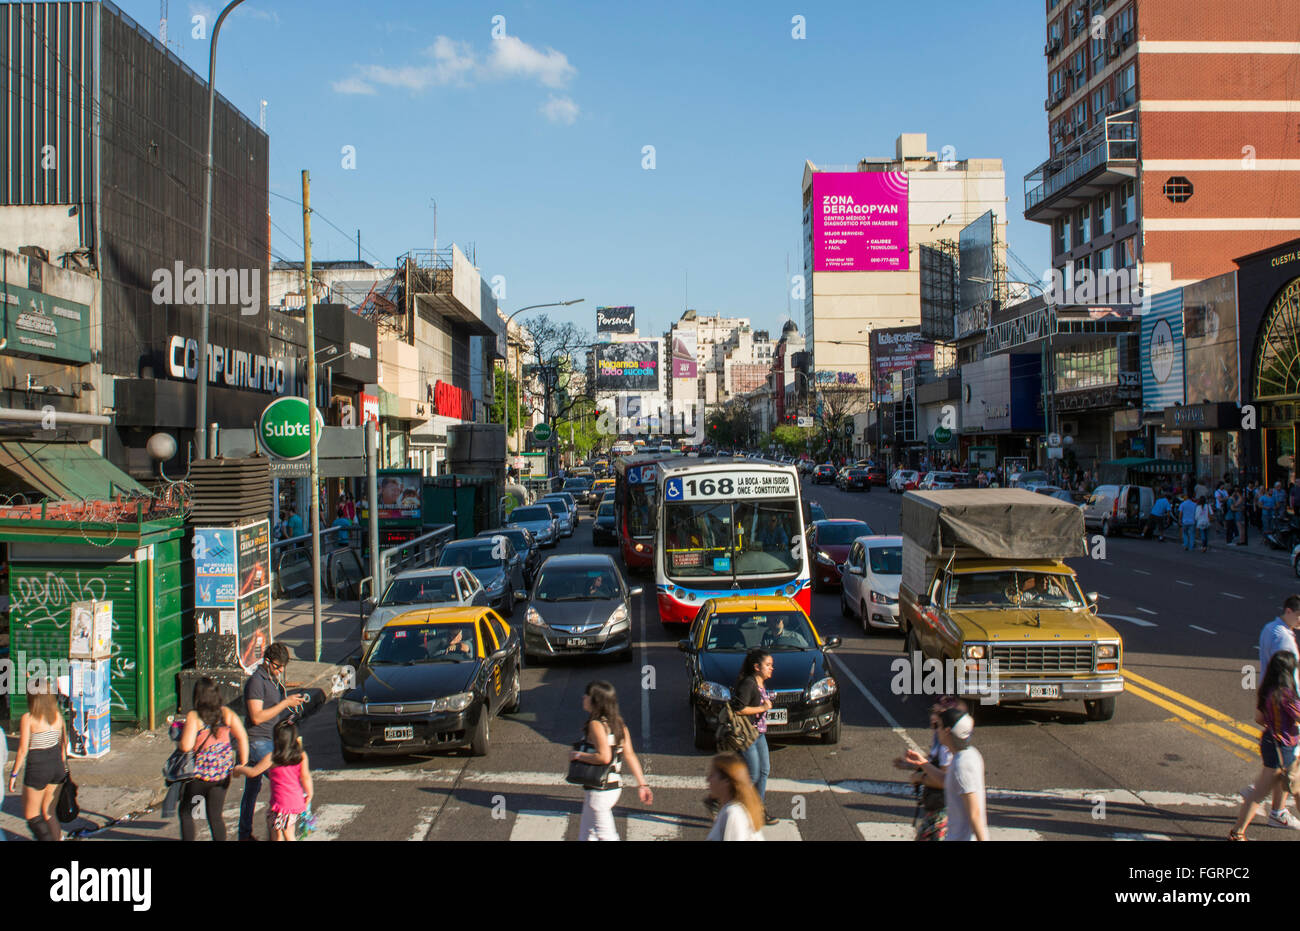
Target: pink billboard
[[859, 221]]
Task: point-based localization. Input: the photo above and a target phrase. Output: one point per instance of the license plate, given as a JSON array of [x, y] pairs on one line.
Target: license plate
[[576, 642], [778, 716], [404, 732], [1044, 691]]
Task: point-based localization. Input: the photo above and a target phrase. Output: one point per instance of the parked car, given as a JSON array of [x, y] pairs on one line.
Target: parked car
[[1113, 509], [565, 513], [604, 530], [427, 587], [1028, 480], [870, 578], [579, 606], [938, 480], [829, 542], [524, 543], [904, 480], [853, 478], [805, 695], [824, 474], [1061, 494], [539, 520], [432, 679], [499, 567]]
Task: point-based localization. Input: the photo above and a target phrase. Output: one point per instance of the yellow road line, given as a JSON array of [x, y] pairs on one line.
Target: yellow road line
[[1202, 723], [1192, 729], [1249, 730]]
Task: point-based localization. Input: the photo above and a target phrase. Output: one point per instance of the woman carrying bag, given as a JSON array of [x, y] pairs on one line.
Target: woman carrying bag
[[217, 738], [748, 697], [1277, 712], [597, 761], [42, 746]]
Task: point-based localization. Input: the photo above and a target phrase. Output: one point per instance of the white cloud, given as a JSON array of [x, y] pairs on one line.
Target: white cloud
[[559, 110], [454, 61], [353, 85], [513, 57], [415, 79]]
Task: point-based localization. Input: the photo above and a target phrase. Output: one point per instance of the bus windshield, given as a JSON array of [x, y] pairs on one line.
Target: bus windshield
[[709, 538]]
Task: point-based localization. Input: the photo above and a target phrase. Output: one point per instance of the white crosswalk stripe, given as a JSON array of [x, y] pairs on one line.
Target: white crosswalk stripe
[[645, 826], [540, 825], [782, 831], [331, 819]]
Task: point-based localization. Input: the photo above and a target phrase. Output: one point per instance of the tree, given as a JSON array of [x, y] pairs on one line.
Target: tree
[[730, 424], [581, 425], [558, 349], [504, 400], [836, 406], [794, 440]]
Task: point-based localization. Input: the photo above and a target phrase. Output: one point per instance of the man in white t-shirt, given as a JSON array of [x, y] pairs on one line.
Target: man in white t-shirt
[[963, 783]]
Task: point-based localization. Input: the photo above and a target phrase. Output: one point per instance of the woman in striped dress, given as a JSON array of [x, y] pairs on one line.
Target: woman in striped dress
[[606, 739], [43, 747]]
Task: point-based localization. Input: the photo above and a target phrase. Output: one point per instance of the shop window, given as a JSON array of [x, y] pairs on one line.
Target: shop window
[[1278, 361], [1178, 189]]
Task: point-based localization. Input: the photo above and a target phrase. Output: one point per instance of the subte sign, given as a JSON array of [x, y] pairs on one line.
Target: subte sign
[[284, 429]]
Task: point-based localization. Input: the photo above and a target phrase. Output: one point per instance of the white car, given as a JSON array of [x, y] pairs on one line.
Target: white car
[[899, 480], [869, 581], [436, 587], [938, 480]]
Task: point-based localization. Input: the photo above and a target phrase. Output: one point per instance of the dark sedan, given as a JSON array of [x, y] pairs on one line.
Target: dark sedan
[[495, 563], [849, 479], [432, 680], [878, 475], [806, 697], [524, 543], [604, 531], [829, 542], [824, 475], [580, 606]]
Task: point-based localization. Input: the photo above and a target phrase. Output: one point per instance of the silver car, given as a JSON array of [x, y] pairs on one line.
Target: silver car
[[421, 588], [496, 563], [566, 514], [538, 520], [580, 606]]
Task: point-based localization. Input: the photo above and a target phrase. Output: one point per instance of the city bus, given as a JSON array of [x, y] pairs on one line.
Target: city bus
[[634, 486], [725, 528]]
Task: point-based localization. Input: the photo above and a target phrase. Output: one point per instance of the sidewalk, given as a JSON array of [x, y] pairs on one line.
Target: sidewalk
[[128, 781], [1255, 546]]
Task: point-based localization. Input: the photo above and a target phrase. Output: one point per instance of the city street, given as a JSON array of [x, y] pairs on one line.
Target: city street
[[1166, 767]]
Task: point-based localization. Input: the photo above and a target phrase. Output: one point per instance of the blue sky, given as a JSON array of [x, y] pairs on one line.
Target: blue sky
[[532, 145]]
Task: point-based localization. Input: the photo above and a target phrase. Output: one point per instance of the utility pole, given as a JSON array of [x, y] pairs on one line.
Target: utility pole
[[314, 479]]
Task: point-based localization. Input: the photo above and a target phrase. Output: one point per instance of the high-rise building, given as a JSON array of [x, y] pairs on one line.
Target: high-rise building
[[1171, 133]]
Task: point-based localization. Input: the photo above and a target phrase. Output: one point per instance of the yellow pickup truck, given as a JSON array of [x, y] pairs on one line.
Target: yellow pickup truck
[[984, 582]]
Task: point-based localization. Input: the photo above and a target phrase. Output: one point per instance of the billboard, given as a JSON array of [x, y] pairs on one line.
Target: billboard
[[975, 248], [1210, 339], [895, 350], [1162, 352], [859, 221], [631, 366], [684, 361], [615, 319], [232, 591]]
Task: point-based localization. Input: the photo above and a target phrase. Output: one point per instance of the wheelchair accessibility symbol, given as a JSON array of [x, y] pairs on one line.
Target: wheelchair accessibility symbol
[[673, 489]]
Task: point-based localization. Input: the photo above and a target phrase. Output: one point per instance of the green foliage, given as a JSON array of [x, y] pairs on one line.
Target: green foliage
[[504, 399]]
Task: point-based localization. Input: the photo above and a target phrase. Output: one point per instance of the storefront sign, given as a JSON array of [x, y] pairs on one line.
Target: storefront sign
[[232, 367], [369, 408], [284, 429], [1040, 324], [1216, 416], [45, 326], [450, 401]]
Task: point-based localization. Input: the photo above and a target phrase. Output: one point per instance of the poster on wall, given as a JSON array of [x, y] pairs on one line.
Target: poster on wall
[[401, 496], [232, 594], [896, 350], [1210, 339], [859, 221], [685, 364]]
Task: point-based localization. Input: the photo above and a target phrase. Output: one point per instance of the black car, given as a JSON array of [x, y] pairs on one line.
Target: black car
[[525, 544], [806, 698], [824, 474], [604, 531], [431, 680], [854, 478]]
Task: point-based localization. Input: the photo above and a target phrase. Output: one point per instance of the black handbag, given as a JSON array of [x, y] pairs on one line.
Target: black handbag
[[67, 808], [593, 776]]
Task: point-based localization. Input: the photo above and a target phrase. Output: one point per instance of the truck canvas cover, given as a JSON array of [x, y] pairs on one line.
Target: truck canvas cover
[[997, 523]]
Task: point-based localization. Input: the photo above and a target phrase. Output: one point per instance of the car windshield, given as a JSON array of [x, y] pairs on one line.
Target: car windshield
[[775, 631], [606, 509], [557, 508], [410, 645], [530, 514], [559, 584], [886, 560], [516, 537], [838, 534], [474, 556], [421, 590], [577, 484], [1014, 588], [704, 539]]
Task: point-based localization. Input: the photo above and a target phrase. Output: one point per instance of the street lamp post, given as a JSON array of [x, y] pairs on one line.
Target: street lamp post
[[201, 405], [519, 368]]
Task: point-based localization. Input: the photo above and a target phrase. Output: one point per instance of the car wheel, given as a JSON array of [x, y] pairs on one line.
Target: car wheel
[[478, 744], [1105, 528], [912, 644], [513, 707], [866, 628], [832, 734], [351, 756], [1103, 709], [704, 738], [844, 605]]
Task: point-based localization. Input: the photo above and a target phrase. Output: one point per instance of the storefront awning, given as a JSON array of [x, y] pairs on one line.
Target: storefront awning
[[65, 471]]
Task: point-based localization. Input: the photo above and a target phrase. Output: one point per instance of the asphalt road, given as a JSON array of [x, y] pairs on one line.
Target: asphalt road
[[1166, 767]]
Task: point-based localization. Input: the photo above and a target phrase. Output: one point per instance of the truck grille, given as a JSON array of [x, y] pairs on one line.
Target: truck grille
[[1043, 657]]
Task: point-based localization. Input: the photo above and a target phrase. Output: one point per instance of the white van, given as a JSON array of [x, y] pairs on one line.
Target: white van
[[1113, 509]]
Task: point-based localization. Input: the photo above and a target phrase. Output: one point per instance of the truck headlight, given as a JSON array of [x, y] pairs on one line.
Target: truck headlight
[[712, 691], [533, 618], [973, 651], [351, 709], [458, 702], [823, 688], [1107, 650]]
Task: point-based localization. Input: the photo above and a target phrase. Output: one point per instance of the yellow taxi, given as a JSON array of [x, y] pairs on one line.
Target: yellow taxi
[[432, 679]]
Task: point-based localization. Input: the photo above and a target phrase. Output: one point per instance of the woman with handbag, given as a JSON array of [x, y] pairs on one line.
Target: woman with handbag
[[42, 746], [740, 812], [1278, 713], [208, 730], [927, 777], [748, 697], [597, 761]]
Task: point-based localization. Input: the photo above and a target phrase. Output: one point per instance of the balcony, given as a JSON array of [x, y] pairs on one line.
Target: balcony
[[1092, 164]]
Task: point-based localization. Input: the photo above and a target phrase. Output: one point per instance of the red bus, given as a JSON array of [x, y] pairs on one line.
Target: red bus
[[634, 500]]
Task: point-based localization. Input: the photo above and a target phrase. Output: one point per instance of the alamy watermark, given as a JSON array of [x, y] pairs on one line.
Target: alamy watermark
[[181, 285], [1104, 288], [916, 675], [20, 670]]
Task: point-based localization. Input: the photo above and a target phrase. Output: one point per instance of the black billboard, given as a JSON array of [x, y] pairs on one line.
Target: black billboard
[[615, 319], [630, 366]]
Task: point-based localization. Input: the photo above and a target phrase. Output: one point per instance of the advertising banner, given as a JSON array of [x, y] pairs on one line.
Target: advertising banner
[[1162, 352], [632, 366], [615, 319], [400, 495], [232, 593], [215, 584], [45, 326], [860, 221], [1210, 339], [685, 364], [896, 350]]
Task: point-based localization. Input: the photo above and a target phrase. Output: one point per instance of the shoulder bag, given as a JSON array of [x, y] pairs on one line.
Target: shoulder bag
[[181, 765], [593, 776], [735, 731], [67, 808]]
